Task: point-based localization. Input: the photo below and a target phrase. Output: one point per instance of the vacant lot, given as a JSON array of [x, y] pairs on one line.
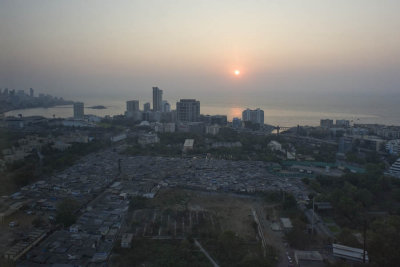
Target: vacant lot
[[223, 223]]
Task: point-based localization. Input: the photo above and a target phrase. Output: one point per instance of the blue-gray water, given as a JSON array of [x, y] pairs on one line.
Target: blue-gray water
[[283, 113]]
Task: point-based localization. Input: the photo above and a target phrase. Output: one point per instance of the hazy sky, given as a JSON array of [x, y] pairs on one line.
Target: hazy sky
[[283, 48]]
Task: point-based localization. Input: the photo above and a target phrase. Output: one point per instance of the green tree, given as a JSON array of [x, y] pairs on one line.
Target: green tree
[[66, 212], [384, 244]]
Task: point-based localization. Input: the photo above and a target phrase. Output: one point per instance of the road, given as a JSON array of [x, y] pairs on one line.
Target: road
[[205, 253], [271, 238]]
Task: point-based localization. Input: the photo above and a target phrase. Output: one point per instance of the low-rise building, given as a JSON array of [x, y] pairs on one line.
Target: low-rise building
[[275, 146], [169, 127], [308, 258], [349, 253], [188, 145], [394, 170], [393, 147], [212, 129], [287, 224], [149, 138], [117, 138]]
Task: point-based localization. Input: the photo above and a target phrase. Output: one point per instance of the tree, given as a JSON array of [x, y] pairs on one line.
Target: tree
[[384, 245], [289, 202], [66, 212], [38, 222], [137, 203]]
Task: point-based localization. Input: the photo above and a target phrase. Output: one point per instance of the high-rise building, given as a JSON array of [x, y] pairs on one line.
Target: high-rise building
[[132, 110], [78, 110], [132, 105], [188, 110], [166, 107], [157, 99], [254, 116], [327, 123], [146, 107], [236, 123], [31, 93], [343, 123]]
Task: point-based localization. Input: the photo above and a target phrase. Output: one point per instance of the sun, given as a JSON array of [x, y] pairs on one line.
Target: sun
[[237, 72]]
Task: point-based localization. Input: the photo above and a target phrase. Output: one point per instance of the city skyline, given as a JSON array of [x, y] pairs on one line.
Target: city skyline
[[193, 48]]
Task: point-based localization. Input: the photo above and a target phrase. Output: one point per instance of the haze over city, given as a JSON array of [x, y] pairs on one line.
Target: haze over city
[[288, 52], [259, 133]]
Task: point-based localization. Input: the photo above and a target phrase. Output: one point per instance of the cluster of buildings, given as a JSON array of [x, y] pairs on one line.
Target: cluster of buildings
[[18, 99], [186, 117], [104, 200], [33, 143], [93, 176], [207, 174], [187, 110], [328, 123], [369, 137], [91, 239]]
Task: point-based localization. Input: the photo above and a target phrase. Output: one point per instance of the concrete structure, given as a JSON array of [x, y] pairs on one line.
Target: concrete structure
[[31, 92], [193, 127], [390, 132], [326, 123], [157, 99], [308, 258], [373, 142], [349, 253], [166, 107], [117, 138], [275, 146], [188, 110], [76, 123], [146, 139], [132, 110], [286, 223], [214, 119], [343, 123], [132, 105], [157, 127], [345, 145], [226, 144], [237, 123], [169, 127], [79, 110], [188, 145], [254, 116], [393, 147], [394, 170], [212, 129], [146, 107]]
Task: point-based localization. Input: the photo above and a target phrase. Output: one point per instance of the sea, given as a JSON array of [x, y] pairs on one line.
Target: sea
[[277, 115]]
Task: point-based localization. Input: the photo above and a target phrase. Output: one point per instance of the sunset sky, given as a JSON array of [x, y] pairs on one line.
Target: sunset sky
[[192, 48]]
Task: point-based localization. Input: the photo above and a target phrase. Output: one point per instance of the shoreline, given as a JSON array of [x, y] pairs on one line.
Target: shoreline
[[44, 107]]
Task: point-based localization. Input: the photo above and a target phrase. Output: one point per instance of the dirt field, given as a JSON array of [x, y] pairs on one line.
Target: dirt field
[[233, 213], [225, 211]]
